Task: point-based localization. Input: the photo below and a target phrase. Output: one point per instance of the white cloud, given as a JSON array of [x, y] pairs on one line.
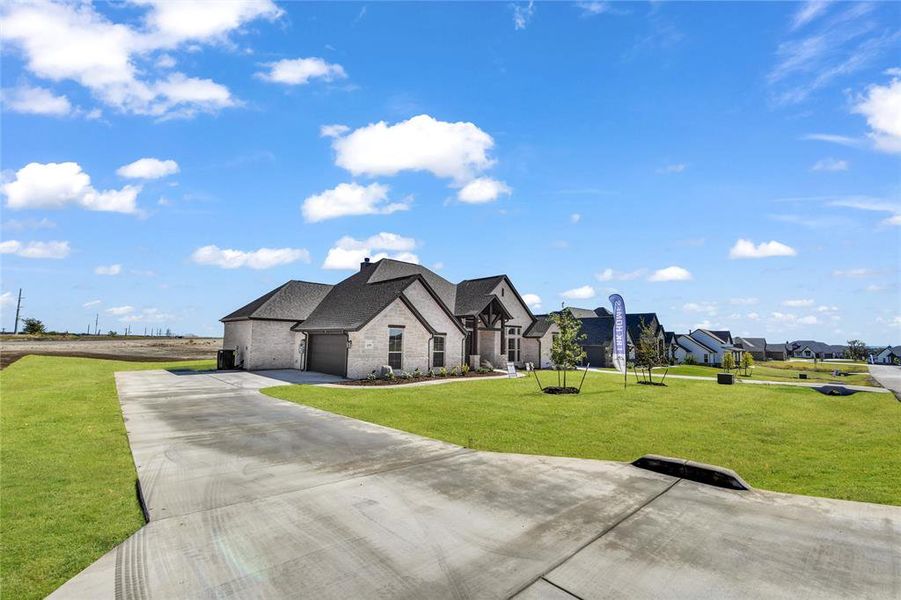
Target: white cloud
[[841, 140], [53, 249], [609, 274], [120, 310], [827, 309], [351, 199], [173, 23], [669, 169], [705, 307], [36, 101], [148, 168], [108, 269], [591, 9], [830, 164], [872, 205], [780, 317], [533, 301], [333, 131], [72, 41], [20, 225], [746, 249], [743, 301], [522, 14], [348, 253], [881, 105], [846, 42], [808, 320], [580, 293], [91, 303], [299, 71], [575, 218], [752, 316], [855, 273], [673, 273], [483, 189], [7, 299], [55, 185], [147, 315], [264, 258], [798, 303], [808, 12], [422, 143]]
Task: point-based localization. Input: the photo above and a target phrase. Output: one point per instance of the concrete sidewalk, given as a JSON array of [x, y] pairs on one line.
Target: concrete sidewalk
[[254, 497], [858, 388]]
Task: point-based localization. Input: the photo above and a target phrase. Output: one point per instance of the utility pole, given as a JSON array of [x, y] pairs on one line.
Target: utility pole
[[96, 320], [18, 306]]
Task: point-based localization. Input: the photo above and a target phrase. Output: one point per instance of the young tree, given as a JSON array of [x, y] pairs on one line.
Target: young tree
[[728, 361], [566, 352], [857, 350], [647, 351], [747, 361], [33, 326]]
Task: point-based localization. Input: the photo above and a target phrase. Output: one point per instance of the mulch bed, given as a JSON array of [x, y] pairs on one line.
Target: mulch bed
[[401, 381], [560, 390]]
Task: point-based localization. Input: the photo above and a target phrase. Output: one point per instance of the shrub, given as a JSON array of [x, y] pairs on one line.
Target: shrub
[[389, 376], [689, 360], [464, 369], [442, 372], [372, 376]]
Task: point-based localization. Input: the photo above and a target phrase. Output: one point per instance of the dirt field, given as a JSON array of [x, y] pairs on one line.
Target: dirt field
[[118, 348]]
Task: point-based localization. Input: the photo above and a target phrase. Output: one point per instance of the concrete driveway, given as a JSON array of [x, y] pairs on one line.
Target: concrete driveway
[[253, 497], [888, 376]]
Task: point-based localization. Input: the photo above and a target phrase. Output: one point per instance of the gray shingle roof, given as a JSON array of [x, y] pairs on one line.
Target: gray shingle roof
[[598, 330], [388, 268], [634, 321], [291, 301], [751, 344], [354, 302], [539, 327], [474, 294]]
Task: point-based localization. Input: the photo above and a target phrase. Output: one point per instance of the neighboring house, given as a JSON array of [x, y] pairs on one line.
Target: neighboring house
[[890, 355], [777, 352], [388, 313], [707, 347], [756, 347], [670, 344], [597, 325], [814, 349]]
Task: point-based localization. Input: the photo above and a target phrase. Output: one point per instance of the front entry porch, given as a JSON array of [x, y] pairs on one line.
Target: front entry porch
[[490, 339]]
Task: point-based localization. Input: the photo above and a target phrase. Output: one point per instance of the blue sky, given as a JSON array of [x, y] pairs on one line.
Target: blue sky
[[725, 165]]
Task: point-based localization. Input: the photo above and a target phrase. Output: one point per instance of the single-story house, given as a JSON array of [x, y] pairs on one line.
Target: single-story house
[[814, 349], [756, 347], [706, 347], [890, 355], [390, 312]]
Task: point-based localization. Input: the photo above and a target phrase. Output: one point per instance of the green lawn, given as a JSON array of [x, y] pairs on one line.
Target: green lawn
[[778, 438], [67, 480], [784, 371]]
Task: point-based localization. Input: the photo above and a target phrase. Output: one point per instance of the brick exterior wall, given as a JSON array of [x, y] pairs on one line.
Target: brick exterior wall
[[530, 349], [271, 345], [440, 322], [369, 346], [237, 338]]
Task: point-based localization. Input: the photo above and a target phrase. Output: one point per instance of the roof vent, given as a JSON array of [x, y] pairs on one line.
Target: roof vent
[[365, 264]]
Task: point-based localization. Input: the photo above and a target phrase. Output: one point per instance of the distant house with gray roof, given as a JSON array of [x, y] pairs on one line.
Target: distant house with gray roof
[[388, 313]]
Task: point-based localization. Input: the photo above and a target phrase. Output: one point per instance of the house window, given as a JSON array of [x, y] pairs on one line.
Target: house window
[[706, 358], [395, 347], [438, 352], [514, 344]]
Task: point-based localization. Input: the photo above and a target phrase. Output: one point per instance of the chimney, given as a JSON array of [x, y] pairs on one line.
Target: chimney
[[365, 264]]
